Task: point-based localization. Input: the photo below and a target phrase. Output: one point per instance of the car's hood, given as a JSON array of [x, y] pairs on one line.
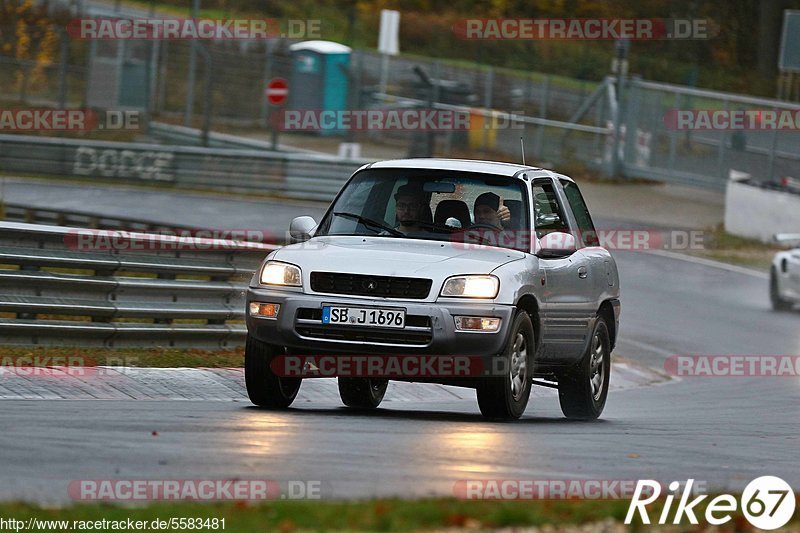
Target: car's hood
[[387, 256]]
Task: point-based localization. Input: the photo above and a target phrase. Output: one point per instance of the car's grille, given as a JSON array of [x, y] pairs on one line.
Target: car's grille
[[352, 334], [361, 285]]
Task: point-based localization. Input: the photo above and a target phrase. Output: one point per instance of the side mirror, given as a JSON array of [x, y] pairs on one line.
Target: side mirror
[[556, 245], [301, 227]]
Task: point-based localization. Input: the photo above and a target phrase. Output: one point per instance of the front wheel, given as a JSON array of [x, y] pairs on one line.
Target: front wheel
[[582, 391], [778, 303], [505, 398], [264, 387]]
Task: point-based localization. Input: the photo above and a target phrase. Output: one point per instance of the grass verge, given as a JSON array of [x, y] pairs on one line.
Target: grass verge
[[724, 247], [383, 515]]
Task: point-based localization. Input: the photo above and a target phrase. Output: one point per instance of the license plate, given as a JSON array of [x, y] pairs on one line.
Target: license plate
[[364, 316]]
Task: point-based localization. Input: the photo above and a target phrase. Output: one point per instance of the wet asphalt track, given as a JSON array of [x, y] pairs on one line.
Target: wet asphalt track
[[725, 431]]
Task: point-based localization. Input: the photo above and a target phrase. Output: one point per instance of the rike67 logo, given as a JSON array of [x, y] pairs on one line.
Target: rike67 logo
[[767, 502]]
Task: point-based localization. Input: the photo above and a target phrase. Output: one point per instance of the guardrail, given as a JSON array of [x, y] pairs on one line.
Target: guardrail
[[304, 176], [184, 136], [29, 214], [78, 287]]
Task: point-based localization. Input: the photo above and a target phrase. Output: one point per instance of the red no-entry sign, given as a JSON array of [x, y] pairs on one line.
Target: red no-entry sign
[[277, 91]]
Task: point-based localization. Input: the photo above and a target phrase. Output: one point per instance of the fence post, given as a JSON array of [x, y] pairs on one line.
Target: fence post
[[187, 117], [721, 150], [772, 148], [631, 118], [23, 87], [162, 78], [537, 147], [673, 137], [266, 77], [62, 68], [618, 117], [487, 104], [600, 121]]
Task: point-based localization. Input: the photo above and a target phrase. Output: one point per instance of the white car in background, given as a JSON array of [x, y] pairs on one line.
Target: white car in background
[[784, 279]]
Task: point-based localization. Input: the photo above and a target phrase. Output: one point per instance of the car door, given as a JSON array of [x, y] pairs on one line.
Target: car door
[[602, 270], [568, 285]]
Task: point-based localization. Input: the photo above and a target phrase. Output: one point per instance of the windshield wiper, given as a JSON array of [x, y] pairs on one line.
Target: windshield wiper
[[435, 226], [369, 222]]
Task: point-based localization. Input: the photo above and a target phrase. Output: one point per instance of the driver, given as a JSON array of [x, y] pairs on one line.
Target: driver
[[409, 200], [489, 210]]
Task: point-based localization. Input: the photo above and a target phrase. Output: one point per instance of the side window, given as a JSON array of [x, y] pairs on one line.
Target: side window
[[549, 214], [588, 235]]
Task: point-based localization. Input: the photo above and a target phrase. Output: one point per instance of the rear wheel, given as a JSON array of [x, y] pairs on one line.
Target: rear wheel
[[778, 303], [505, 398], [264, 387], [362, 393], [582, 391]]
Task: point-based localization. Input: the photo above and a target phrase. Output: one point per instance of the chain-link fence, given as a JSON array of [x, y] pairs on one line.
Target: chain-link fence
[[560, 120], [705, 146], [57, 81]]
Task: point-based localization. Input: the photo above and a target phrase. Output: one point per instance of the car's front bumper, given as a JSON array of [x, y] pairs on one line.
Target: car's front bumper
[[430, 326]]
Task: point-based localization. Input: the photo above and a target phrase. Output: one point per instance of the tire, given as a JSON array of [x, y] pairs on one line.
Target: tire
[[505, 398], [583, 390], [362, 393], [264, 387], [778, 303]]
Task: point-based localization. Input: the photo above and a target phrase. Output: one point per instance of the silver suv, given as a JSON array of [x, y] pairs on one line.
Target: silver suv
[[491, 264]]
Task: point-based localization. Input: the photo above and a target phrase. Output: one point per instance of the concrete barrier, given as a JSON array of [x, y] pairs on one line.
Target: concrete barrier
[[758, 212]]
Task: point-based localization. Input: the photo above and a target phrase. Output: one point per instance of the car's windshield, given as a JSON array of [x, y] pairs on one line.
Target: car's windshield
[[432, 205]]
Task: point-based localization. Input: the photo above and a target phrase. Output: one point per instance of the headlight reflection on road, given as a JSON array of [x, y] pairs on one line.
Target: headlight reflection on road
[[471, 449], [264, 433]]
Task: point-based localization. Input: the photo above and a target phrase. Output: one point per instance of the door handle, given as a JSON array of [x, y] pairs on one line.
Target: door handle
[[583, 272]]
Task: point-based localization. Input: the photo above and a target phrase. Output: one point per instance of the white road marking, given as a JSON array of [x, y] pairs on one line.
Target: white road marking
[[710, 263]]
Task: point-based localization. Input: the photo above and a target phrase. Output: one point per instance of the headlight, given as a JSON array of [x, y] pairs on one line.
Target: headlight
[[471, 287], [275, 273]]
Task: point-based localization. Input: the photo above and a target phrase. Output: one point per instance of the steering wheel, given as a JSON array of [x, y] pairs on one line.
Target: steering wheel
[[481, 225]]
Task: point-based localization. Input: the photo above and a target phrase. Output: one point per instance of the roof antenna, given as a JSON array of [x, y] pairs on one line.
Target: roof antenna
[[522, 149]]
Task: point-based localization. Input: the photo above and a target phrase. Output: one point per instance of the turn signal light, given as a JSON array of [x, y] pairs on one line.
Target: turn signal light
[[477, 323], [264, 310]]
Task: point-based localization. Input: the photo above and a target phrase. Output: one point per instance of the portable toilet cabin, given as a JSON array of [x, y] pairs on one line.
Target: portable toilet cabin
[[319, 78]]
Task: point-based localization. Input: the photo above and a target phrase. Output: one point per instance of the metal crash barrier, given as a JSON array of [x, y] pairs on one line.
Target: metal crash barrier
[[83, 287]]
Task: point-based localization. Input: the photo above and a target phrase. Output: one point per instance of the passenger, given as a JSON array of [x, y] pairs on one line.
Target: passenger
[[489, 210]]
